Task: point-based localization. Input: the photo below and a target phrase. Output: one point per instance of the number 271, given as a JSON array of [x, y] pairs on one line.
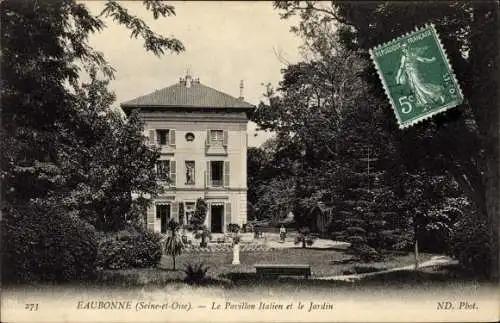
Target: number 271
[[405, 104], [31, 307]]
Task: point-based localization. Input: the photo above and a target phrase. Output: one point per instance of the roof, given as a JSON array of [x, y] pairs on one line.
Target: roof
[[181, 96]]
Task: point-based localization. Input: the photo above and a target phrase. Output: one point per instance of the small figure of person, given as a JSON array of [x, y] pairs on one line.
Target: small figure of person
[[282, 233], [256, 232]]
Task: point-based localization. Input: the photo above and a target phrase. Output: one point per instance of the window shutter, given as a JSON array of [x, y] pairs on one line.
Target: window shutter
[[151, 138], [209, 216], [171, 137], [208, 174], [224, 138], [172, 173], [208, 137], [175, 211], [226, 174], [194, 172], [227, 220]]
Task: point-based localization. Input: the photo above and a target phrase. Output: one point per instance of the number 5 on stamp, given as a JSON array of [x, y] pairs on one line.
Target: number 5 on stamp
[[417, 76]]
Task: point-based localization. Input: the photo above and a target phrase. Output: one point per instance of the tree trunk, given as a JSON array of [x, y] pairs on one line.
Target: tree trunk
[[416, 252], [173, 258], [484, 54]]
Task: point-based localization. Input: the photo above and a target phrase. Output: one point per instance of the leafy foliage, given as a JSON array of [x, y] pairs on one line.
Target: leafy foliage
[[234, 229], [467, 30], [305, 237], [53, 125], [133, 247], [64, 151], [200, 213], [203, 233], [195, 273], [470, 244], [40, 243], [173, 245]]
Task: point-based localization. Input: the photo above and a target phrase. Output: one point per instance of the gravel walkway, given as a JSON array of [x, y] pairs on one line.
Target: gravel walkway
[[434, 261]]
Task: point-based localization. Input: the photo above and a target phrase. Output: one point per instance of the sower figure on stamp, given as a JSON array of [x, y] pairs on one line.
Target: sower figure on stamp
[[408, 73]]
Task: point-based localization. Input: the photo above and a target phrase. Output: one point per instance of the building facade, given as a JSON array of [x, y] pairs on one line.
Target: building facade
[[202, 136]]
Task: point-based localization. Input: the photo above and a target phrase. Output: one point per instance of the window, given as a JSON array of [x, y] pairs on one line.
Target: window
[[216, 173], [162, 137], [163, 170], [216, 137], [189, 136], [162, 211], [190, 171], [189, 210]]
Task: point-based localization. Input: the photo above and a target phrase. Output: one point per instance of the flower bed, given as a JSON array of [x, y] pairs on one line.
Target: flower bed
[[227, 247]]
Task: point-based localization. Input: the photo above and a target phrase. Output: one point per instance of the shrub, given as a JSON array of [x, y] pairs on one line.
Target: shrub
[[134, 247], [173, 245], [364, 252], [203, 233], [200, 213], [471, 245], [305, 237], [42, 244], [195, 273], [234, 229]]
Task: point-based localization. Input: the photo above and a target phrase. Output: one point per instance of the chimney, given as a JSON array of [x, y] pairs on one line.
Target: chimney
[[188, 79], [241, 98]]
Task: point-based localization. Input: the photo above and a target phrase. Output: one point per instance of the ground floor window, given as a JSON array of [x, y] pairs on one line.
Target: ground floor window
[[163, 214], [189, 210], [217, 218]]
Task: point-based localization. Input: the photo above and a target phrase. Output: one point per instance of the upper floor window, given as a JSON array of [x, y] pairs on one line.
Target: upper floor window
[[217, 138], [217, 173], [189, 136], [190, 171], [166, 172], [163, 170], [162, 136]]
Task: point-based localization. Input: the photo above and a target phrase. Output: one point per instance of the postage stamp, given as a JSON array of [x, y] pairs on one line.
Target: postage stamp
[[417, 76]]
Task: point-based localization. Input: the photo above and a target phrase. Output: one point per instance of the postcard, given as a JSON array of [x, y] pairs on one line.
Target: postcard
[[287, 161]]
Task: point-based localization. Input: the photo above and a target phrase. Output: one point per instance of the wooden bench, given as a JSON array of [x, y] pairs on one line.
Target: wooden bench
[[276, 270]]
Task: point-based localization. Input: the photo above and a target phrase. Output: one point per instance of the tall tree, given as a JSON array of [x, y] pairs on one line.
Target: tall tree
[[60, 142], [463, 142]]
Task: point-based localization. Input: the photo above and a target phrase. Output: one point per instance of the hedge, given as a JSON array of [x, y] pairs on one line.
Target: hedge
[[41, 244], [134, 247]]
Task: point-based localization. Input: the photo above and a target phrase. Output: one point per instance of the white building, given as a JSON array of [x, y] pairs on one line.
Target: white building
[[202, 134]]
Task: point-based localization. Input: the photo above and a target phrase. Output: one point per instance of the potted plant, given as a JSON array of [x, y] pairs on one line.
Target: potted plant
[[184, 235], [174, 245], [203, 233], [305, 237], [234, 229]]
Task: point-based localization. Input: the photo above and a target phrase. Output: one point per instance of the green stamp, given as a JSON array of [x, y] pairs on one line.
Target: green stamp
[[417, 76]]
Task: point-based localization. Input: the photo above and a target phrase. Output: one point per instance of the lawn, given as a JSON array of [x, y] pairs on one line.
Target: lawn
[[323, 262]]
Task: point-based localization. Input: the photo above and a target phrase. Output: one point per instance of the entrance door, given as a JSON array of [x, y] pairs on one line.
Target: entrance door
[[217, 218], [163, 213]]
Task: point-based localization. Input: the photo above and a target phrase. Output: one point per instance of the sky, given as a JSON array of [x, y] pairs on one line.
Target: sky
[[225, 43]]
